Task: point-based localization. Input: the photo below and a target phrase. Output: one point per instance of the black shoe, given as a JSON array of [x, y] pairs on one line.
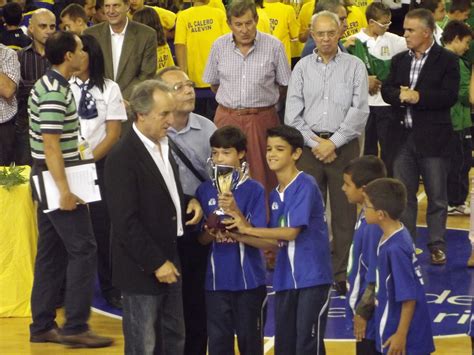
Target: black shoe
[[114, 300], [438, 257], [340, 287], [86, 340], [51, 336]]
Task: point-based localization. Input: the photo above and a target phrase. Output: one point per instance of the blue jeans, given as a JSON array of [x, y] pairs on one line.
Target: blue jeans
[[154, 324], [407, 167]]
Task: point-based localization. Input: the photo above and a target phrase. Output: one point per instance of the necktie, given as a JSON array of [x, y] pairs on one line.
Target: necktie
[[87, 108]]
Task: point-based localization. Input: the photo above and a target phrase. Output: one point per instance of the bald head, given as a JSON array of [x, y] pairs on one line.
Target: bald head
[[42, 25]]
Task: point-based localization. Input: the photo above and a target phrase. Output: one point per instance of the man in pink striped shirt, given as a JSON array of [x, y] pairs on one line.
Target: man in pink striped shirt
[[249, 72]]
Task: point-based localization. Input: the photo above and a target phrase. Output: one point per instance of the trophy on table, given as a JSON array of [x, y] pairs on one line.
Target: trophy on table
[[225, 178]]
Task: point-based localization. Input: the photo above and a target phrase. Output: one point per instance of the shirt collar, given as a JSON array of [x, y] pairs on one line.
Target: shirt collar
[[147, 141], [257, 38], [412, 53], [54, 74], [112, 33], [193, 123], [78, 81], [320, 60]]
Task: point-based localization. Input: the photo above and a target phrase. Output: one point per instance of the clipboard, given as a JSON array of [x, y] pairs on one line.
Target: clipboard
[[82, 179]]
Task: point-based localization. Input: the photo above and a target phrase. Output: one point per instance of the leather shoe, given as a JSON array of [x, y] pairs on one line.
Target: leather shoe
[[86, 340], [340, 287], [438, 257], [51, 336]]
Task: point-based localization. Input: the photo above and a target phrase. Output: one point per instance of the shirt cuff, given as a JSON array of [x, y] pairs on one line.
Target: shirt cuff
[[338, 139], [310, 142]]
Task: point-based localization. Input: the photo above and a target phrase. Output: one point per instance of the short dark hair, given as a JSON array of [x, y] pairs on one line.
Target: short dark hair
[[389, 195], [455, 29], [229, 137], [327, 5], [365, 169], [96, 61], [238, 8], [58, 44], [12, 14], [431, 5], [376, 10], [74, 11], [459, 5], [289, 134], [149, 17], [99, 4], [424, 15]]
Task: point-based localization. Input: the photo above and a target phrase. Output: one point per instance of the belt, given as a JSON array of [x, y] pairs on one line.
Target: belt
[[246, 111], [324, 135]]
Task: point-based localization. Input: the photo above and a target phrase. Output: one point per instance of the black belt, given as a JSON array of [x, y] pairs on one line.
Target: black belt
[[324, 135]]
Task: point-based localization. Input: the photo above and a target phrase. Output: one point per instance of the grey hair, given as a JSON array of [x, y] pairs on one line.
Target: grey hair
[[141, 101], [159, 75], [327, 14]]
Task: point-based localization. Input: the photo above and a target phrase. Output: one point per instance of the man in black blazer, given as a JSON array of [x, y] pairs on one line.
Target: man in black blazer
[[146, 206], [422, 86]]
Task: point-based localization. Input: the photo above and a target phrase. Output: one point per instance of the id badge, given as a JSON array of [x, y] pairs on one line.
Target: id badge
[[85, 150]]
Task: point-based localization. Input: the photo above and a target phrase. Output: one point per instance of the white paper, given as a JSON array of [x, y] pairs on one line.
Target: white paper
[[82, 183]]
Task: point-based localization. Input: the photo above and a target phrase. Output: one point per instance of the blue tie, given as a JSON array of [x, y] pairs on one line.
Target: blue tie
[[87, 108]]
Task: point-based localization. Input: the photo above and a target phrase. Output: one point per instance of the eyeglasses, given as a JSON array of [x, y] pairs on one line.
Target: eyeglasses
[[328, 34], [180, 86], [383, 25]]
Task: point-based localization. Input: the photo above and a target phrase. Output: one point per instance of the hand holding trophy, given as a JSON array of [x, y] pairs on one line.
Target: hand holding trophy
[[225, 179]]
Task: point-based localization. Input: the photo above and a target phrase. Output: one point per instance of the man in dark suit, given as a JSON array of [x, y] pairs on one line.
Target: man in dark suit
[[146, 207], [129, 47], [422, 86]]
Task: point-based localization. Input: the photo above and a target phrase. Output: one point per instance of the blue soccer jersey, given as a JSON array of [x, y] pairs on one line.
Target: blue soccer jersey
[[235, 266], [306, 261], [361, 268], [399, 279]]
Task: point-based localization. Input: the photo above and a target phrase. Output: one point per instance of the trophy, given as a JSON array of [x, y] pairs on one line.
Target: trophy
[[225, 178]]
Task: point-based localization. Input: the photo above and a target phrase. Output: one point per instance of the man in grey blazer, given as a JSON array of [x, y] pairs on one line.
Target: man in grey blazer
[[129, 47]]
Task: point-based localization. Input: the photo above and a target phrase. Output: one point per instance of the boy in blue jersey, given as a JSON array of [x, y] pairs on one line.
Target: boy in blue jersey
[[402, 321], [303, 275], [235, 277], [360, 297]]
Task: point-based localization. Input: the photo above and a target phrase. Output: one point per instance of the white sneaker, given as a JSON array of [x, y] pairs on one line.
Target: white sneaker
[[461, 210]]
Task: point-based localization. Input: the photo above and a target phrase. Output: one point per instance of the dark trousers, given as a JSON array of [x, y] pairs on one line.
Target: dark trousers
[[460, 164], [153, 324], [343, 214], [236, 312], [366, 347], [300, 320], [206, 104], [22, 145], [101, 226], [376, 131], [407, 167], [7, 142], [193, 257], [66, 248]]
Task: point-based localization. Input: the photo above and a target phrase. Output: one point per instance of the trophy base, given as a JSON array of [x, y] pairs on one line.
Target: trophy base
[[214, 221]]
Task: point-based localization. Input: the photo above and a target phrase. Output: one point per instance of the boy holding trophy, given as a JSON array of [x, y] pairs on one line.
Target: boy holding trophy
[[235, 277]]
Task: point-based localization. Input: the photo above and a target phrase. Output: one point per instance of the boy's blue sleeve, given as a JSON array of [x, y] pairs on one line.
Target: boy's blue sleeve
[[257, 214], [403, 274], [371, 242], [301, 205]]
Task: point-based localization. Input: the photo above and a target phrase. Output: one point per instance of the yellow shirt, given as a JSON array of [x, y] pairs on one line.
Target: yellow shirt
[[283, 24], [164, 56], [263, 24], [356, 21], [218, 4], [305, 15], [197, 28], [362, 4], [167, 18]]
